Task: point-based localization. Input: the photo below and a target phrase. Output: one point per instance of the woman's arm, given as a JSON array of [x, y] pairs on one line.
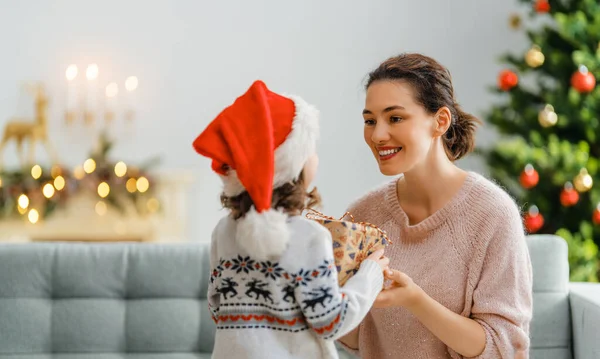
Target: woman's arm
[[463, 335]]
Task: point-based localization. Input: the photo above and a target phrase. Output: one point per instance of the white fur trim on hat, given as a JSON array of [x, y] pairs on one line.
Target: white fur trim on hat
[[265, 235], [292, 154]]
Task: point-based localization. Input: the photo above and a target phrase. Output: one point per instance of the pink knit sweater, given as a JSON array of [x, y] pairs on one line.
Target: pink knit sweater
[[471, 256]]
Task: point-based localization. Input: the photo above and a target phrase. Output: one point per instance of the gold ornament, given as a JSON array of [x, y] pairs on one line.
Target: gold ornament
[[583, 181], [534, 57], [547, 116], [515, 21]]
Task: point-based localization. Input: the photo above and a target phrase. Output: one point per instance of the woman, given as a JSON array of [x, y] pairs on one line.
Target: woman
[[462, 286]]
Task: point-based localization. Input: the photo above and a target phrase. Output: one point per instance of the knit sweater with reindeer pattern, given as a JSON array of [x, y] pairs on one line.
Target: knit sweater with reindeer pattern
[[291, 307]]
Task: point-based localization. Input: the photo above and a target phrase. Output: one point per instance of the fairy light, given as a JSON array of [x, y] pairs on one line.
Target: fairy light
[[23, 201], [33, 216], [48, 190], [120, 169], [103, 189], [79, 172], [131, 185], [142, 184], [59, 183], [89, 166], [36, 171]]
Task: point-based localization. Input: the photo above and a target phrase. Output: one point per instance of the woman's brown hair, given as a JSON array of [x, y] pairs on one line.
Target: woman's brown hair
[[433, 90], [291, 197]]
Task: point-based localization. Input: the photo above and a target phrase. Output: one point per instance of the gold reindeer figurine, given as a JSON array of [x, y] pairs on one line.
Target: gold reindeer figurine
[[19, 129]]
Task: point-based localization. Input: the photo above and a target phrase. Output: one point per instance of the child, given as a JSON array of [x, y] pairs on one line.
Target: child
[[273, 290]]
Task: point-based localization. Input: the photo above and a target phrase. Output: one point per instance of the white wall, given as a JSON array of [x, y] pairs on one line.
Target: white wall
[[194, 57]]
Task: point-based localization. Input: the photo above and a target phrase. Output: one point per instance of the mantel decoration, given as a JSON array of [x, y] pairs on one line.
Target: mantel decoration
[[33, 191]]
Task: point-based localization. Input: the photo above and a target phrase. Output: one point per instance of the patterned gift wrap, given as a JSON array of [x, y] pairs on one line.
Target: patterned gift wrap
[[352, 241]]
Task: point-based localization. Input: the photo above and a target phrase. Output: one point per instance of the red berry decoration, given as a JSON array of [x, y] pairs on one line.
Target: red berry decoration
[[596, 215], [529, 177], [534, 221], [569, 197], [542, 6], [507, 80], [583, 81]]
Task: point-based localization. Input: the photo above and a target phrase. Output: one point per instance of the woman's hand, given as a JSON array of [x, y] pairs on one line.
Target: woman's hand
[[402, 292], [380, 259]]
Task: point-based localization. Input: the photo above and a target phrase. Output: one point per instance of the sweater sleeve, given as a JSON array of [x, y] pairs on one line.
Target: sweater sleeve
[[332, 311], [502, 298], [213, 295]]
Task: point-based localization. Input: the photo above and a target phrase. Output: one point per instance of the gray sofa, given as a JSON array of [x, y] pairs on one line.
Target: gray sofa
[[108, 301]]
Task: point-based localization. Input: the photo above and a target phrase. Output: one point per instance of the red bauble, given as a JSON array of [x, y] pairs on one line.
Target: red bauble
[[542, 6], [569, 197], [533, 220], [583, 81], [596, 215], [529, 177], [507, 80]]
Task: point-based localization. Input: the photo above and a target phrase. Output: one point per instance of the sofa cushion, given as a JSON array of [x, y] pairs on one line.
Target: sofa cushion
[[104, 298], [551, 324]]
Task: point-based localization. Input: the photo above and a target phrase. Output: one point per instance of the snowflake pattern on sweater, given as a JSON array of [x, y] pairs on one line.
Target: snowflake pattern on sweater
[[264, 295]]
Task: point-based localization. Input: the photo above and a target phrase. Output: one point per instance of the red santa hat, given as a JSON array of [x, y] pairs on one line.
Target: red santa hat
[[259, 143]]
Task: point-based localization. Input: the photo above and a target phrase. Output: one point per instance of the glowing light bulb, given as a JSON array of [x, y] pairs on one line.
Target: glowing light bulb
[[131, 83], [89, 165], [120, 169], [103, 189], [23, 201], [59, 183], [71, 72], [48, 190], [36, 171], [142, 184], [92, 72], [33, 216]]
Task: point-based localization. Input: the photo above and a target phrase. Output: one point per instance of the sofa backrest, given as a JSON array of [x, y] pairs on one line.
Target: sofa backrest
[[93, 298], [551, 324]]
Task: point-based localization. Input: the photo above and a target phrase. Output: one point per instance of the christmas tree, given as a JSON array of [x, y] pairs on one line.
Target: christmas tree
[[549, 150]]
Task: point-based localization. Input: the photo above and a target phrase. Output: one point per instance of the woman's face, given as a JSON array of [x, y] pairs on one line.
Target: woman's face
[[398, 130]]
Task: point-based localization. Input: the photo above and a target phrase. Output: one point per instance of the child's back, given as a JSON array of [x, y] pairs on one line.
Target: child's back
[[273, 289], [288, 308]]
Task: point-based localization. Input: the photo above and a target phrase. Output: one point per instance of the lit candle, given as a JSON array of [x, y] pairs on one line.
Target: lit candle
[[71, 101], [131, 84], [112, 90], [90, 105]]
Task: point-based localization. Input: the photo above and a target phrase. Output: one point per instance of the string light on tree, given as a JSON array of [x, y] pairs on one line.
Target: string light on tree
[[534, 220], [583, 80], [583, 181], [507, 79], [89, 166], [529, 177], [36, 171], [547, 117], [33, 216], [103, 189], [79, 172], [131, 185], [534, 57], [59, 183], [142, 184], [569, 196], [120, 169], [23, 201], [48, 190], [542, 6]]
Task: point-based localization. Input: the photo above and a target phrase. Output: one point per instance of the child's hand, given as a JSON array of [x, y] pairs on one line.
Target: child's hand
[[403, 292], [380, 259]]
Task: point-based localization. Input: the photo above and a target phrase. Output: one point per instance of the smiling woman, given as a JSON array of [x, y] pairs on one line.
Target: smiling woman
[[453, 230]]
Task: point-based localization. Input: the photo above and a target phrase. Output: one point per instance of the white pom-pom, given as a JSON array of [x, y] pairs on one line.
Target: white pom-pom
[[263, 235]]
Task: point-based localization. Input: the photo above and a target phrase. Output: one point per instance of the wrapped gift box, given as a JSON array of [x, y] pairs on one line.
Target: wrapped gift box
[[352, 241]]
